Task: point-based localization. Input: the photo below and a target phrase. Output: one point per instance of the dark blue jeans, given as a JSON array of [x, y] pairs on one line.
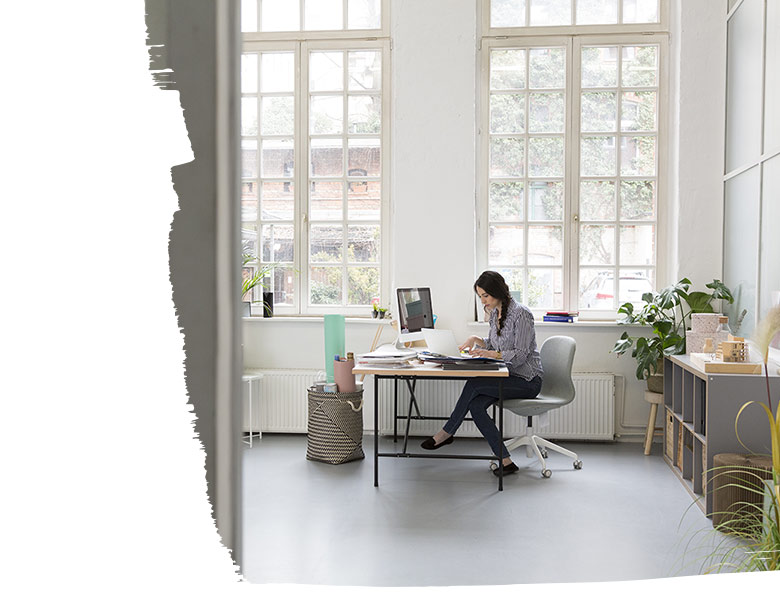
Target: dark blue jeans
[[481, 392]]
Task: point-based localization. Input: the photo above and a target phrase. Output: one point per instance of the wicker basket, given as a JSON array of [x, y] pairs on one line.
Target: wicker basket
[[335, 426]]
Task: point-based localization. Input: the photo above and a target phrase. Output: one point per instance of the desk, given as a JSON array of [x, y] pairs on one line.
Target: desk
[[249, 378], [411, 375]]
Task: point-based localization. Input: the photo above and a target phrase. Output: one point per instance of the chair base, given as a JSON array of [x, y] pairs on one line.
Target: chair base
[[538, 446]]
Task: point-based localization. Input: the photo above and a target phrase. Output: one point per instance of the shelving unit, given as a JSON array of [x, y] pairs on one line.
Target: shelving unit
[[701, 410]]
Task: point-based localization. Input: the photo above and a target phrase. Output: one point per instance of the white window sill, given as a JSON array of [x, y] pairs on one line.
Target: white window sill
[[574, 324], [316, 319]]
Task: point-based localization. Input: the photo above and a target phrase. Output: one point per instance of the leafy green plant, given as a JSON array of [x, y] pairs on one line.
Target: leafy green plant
[[668, 313], [257, 278]]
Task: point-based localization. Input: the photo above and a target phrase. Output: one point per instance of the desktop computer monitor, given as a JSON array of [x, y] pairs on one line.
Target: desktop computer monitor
[[415, 312]]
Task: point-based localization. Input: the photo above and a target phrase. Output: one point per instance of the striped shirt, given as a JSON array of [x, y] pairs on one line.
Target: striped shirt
[[517, 342]]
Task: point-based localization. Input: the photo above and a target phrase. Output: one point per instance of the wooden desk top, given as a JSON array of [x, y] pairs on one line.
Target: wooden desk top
[[427, 371]]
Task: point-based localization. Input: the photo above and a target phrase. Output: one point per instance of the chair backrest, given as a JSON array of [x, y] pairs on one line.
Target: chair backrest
[[557, 353]]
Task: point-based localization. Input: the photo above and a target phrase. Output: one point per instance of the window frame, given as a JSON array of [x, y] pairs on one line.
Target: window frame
[[573, 38], [301, 178]]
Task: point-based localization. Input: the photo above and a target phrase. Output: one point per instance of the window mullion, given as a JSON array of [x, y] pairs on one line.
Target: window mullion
[[571, 174], [302, 177]]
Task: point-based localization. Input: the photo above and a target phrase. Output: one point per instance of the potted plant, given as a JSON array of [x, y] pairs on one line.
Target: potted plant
[[250, 282], [375, 308], [668, 312], [382, 312]]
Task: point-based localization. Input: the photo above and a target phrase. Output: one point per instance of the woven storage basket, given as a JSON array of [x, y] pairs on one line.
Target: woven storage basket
[[738, 490], [335, 426]]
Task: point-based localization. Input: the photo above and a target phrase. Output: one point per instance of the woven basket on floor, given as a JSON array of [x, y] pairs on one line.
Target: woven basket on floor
[[335, 426]]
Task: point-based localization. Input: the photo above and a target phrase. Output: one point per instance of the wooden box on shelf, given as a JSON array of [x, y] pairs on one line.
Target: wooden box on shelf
[[669, 435]]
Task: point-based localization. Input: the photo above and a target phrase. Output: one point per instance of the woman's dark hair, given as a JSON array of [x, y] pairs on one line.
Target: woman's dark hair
[[493, 283]]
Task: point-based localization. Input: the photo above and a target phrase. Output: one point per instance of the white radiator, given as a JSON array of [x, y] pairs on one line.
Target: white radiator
[[281, 407]]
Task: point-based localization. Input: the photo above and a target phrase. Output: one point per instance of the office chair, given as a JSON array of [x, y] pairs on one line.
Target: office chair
[[557, 354]]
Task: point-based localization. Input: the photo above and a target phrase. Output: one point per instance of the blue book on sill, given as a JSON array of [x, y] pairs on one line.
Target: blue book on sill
[[558, 319]]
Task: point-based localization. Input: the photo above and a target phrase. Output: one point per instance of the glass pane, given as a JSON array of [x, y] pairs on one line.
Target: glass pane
[[545, 200], [284, 286], [506, 201], [550, 12], [507, 157], [249, 15], [637, 245], [640, 65], [326, 243], [545, 245], [364, 14], [249, 238], [507, 13], [637, 200], [327, 157], [545, 288], [363, 200], [634, 283], [507, 69], [362, 284], [326, 201], [637, 155], [277, 243], [546, 112], [514, 279], [364, 158], [638, 111], [743, 85], [249, 115], [323, 15], [597, 288], [505, 245], [546, 68], [325, 285], [591, 12], [365, 70], [277, 158], [741, 228], [326, 71], [278, 115], [277, 72], [597, 156], [772, 81], [545, 157], [599, 66], [640, 11], [277, 200], [248, 201], [597, 244], [597, 200], [249, 158], [364, 113], [599, 111], [280, 15], [363, 243], [248, 73], [507, 113], [327, 114]]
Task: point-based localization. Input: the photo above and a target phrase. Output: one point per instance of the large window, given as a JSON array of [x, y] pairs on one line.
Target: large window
[[314, 152], [570, 152]]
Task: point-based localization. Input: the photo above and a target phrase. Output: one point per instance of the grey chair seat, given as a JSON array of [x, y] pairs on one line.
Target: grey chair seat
[[557, 354]]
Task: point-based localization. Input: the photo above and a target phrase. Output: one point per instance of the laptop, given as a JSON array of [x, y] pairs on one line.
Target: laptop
[[441, 341]]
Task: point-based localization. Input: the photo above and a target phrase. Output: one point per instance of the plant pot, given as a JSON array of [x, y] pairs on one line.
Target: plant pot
[[246, 309], [655, 382], [382, 314], [268, 304], [374, 313]]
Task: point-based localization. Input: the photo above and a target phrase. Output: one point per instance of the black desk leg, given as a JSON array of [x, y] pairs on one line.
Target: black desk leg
[[501, 433], [376, 431], [395, 409]]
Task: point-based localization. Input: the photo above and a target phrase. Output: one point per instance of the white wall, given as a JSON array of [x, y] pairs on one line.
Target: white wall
[[434, 65]]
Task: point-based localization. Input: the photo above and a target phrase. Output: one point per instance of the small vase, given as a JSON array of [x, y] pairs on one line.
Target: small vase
[[268, 304]]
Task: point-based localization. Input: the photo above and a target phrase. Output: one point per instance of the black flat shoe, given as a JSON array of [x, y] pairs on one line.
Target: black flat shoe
[[508, 469], [430, 444]]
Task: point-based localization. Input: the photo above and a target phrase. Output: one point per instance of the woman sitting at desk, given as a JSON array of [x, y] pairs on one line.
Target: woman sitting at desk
[[512, 339]]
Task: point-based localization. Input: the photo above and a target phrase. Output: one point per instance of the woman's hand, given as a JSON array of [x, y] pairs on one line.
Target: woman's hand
[[482, 353], [471, 344]]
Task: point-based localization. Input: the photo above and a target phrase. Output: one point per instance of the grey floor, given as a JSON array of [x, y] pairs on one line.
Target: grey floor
[[624, 516]]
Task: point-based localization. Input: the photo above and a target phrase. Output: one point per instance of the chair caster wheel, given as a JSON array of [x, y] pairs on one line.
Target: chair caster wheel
[[543, 452], [493, 466], [547, 473], [578, 464]]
